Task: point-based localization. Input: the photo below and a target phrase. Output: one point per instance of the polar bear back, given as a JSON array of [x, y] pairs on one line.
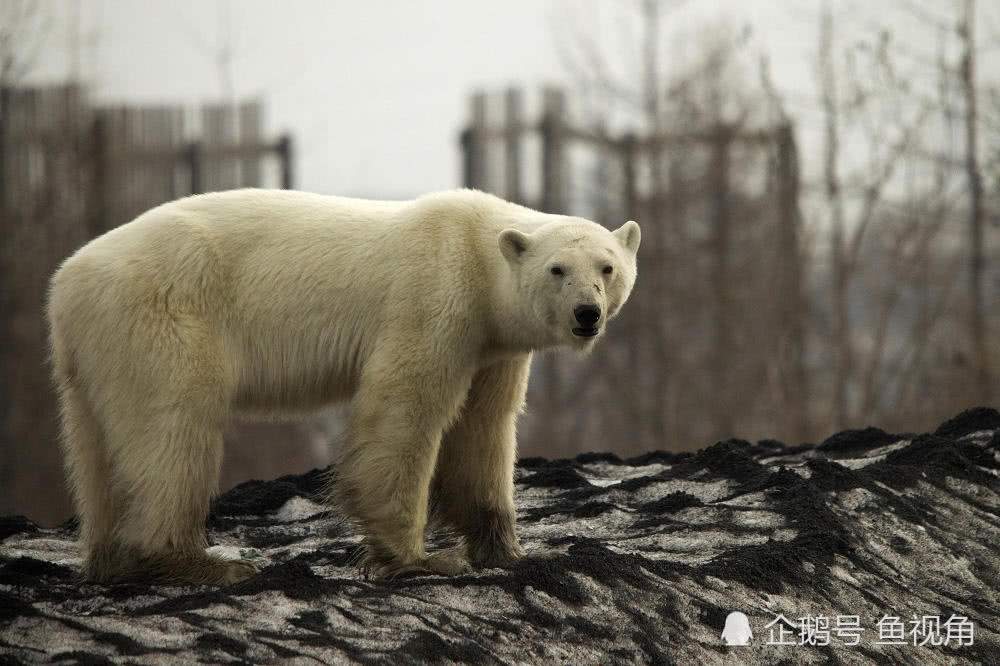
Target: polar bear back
[[292, 288]]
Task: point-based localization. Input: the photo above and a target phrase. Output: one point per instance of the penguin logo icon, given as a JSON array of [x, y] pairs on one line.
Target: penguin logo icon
[[737, 630]]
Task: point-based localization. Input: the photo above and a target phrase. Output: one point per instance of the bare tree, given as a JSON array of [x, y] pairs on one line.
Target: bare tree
[[24, 29], [977, 324], [877, 105], [843, 349], [221, 51], [693, 134]]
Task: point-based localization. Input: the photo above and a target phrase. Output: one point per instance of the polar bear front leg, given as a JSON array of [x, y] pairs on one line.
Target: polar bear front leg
[[383, 478], [474, 481]]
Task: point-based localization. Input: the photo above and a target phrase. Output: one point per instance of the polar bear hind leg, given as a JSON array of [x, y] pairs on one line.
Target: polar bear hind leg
[[171, 469], [88, 471], [145, 484], [166, 492]]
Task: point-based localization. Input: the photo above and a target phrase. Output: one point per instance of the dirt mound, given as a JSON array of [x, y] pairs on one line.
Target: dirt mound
[[637, 560]]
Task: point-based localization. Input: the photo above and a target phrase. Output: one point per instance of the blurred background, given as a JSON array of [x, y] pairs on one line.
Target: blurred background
[[817, 184]]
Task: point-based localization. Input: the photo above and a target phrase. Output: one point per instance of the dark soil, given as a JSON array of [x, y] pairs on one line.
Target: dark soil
[[643, 564]]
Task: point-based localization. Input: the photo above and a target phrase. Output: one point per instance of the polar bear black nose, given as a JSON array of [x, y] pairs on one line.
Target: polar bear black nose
[[587, 315]]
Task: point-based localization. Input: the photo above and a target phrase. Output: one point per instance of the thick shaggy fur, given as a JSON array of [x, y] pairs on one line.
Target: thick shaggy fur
[[423, 314]]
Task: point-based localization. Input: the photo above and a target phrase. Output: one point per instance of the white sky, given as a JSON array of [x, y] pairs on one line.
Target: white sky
[[375, 92]]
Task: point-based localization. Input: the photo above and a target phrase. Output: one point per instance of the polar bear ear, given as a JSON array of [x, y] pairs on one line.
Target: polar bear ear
[[629, 236], [513, 244]]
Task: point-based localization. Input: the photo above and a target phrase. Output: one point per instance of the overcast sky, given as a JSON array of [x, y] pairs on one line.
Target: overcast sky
[[375, 92]]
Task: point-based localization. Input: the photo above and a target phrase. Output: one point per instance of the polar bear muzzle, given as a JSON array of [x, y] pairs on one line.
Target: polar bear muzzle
[[587, 315]]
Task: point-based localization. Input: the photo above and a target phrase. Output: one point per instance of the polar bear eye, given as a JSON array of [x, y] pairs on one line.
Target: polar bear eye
[[608, 270], [556, 270]]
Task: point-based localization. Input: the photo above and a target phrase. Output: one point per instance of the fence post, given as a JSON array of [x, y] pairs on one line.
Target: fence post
[[176, 121], [192, 155], [286, 153], [629, 143], [219, 171], [473, 143], [7, 301], [249, 117], [97, 221], [465, 141], [634, 321], [718, 178], [553, 154], [512, 145], [790, 284], [5, 96]]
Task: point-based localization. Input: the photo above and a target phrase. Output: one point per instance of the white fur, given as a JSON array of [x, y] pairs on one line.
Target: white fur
[[260, 301]]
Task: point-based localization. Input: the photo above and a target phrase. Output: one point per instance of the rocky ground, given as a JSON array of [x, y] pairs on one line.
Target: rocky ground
[[636, 561]]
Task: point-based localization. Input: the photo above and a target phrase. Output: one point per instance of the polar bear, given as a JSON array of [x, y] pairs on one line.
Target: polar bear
[[423, 314]]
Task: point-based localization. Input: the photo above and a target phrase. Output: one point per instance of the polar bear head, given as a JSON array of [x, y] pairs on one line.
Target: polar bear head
[[572, 277]]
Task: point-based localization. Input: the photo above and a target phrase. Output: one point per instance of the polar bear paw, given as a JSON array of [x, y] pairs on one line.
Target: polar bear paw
[[234, 571], [447, 562]]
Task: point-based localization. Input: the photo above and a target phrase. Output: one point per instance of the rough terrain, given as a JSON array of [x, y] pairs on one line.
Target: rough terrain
[[636, 561]]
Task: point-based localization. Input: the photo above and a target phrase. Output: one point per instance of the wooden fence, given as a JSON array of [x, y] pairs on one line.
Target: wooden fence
[[70, 171], [712, 340], [144, 156]]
